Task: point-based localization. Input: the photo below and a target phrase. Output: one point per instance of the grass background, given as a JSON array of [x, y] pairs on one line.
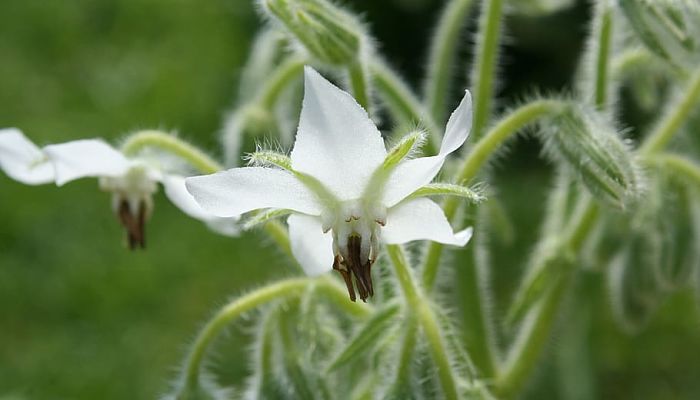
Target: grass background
[[83, 318]]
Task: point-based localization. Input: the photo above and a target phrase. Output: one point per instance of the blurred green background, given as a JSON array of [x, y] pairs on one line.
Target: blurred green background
[[83, 318]]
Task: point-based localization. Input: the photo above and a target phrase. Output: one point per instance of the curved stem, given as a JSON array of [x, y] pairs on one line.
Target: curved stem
[[484, 72], [173, 145], [403, 104], [442, 56], [674, 117], [427, 319], [231, 311], [483, 149], [283, 76], [359, 85], [680, 166], [279, 234], [535, 330]]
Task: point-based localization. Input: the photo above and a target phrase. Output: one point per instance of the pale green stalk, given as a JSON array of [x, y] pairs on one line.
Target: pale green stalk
[[359, 85], [280, 79], [257, 298], [279, 234], [419, 305], [173, 145], [484, 73], [443, 50], [534, 332], [603, 58], [680, 166], [476, 159], [403, 104], [674, 117]]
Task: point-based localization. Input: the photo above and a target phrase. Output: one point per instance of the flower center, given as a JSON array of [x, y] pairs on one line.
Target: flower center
[[132, 201], [356, 244]]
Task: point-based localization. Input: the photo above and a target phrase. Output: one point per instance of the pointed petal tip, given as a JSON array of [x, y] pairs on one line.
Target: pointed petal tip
[[464, 236]]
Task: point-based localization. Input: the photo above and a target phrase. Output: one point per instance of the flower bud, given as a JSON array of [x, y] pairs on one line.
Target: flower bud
[[590, 146], [669, 28], [330, 34]]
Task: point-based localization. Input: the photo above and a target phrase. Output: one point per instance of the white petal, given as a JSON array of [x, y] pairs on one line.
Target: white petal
[[86, 158], [177, 193], [22, 160], [413, 174], [421, 219], [239, 190], [312, 248], [336, 141]]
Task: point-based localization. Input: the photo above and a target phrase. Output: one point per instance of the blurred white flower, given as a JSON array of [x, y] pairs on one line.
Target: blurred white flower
[[345, 191], [132, 181]]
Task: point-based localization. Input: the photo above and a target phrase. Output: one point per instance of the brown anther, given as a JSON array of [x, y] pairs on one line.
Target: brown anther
[[338, 266], [135, 225], [380, 222], [354, 266]]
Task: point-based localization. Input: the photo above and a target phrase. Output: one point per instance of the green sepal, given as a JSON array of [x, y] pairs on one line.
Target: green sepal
[[473, 195]]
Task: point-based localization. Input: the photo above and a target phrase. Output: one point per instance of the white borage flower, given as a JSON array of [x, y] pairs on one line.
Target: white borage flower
[[344, 191], [132, 181]]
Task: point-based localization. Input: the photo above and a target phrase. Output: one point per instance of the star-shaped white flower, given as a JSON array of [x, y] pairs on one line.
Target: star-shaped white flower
[[132, 181], [345, 192]]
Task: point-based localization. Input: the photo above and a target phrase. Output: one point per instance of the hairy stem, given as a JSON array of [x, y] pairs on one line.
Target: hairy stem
[[484, 73], [173, 145], [476, 159], [605, 36], [360, 85], [442, 55], [280, 79], [417, 302], [231, 311], [403, 104], [534, 332], [674, 117], [679, 165]]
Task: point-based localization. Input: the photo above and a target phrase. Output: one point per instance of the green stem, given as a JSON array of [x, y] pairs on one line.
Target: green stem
[[442, 56], [279, 80], [427, 319], [360, 85], [483, 149], [408, 347], [403, 104], [680, 166], [173, 145], [484, 72], [603, 57], [279, 234], [535, 330], [231, 311], [674, 118]]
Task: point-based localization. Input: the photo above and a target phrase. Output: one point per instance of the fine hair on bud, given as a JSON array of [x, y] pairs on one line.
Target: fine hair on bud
[[585, 142]]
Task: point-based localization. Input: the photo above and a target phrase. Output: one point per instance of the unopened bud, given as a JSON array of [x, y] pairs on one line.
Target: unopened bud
[[330, 34], [669, 28], [590, 146]]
